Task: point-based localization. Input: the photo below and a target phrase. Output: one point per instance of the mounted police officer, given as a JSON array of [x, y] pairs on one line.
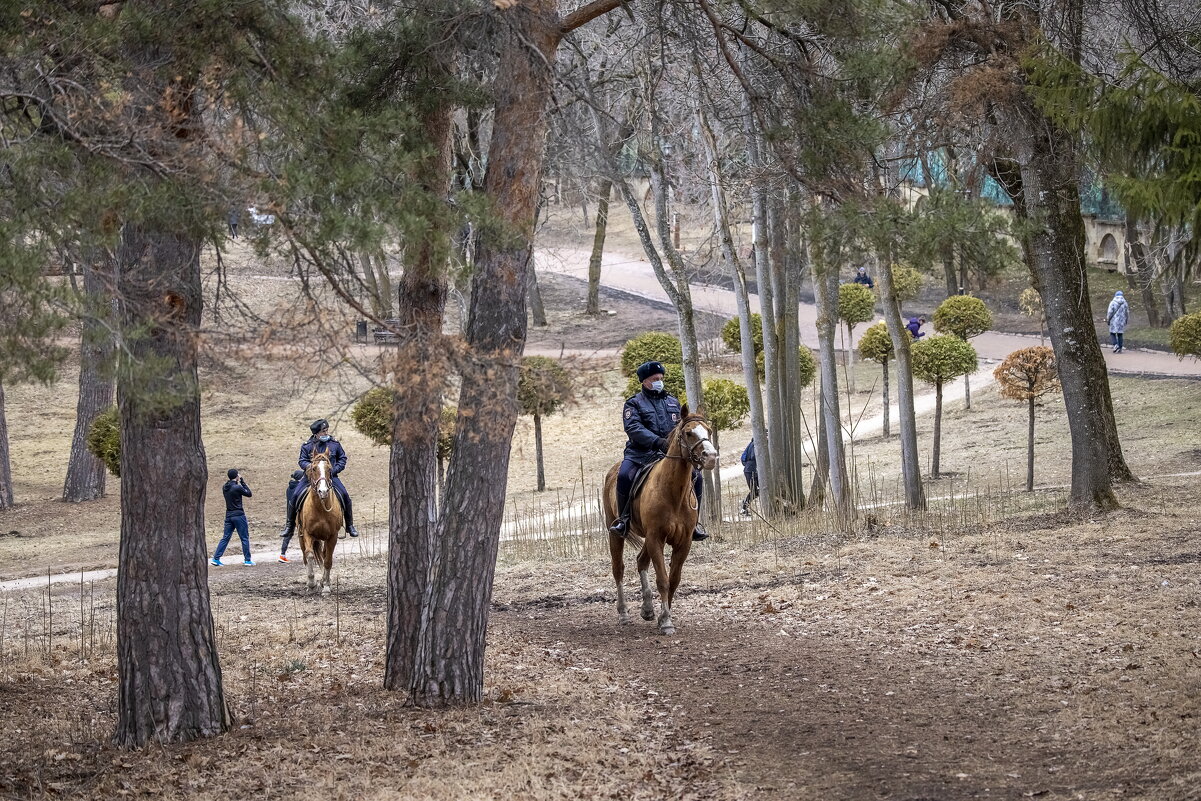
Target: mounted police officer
[[321, 442], [648, 417]]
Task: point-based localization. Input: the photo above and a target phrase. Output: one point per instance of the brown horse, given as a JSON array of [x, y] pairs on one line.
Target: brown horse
[[664, 513], [318, 520]]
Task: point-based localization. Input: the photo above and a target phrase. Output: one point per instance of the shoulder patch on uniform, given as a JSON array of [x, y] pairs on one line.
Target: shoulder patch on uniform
[[629, 412], [675, 417]]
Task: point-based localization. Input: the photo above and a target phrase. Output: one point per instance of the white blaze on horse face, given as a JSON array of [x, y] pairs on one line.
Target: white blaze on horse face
[[322, 481], [702, 435]]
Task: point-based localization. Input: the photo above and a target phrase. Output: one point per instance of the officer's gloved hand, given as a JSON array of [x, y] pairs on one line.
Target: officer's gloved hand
[[661, 444]]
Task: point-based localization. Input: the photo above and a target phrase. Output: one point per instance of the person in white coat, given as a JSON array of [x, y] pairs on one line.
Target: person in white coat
[[1117, 316]]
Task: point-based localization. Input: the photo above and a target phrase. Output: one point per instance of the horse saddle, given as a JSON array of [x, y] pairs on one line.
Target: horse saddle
[[640, 479]]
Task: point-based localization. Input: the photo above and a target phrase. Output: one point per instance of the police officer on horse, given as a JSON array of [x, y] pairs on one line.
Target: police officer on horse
[[648, 417], [321, 442]]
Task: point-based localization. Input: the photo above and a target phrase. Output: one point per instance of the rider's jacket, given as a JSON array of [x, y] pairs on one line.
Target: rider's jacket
[[337, 456], [649, 417]]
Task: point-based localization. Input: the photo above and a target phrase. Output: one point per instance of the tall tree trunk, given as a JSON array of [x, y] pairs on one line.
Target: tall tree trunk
[[793, 435], [1050, 195], [1030, 451], [537, 310], [598, 247], [449, 662], [169, 677], [821, 456], [6, 473], [383, 282], [373, 293], [85, 472], [1140, 274], [967, 391], [937, 428], [745, 332], [826, 283], [415, 470], [948, 271], [886, 409], [911, 470]]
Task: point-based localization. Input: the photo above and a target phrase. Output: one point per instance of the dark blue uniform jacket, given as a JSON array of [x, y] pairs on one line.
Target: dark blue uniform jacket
[[649, 417], [234, 492], [749, 465], [333, 448]]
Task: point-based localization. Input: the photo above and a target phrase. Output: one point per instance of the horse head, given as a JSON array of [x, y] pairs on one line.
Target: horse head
[[321, 475], [695, 436]]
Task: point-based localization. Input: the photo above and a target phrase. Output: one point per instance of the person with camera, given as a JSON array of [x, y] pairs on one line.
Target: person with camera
[[234, 491]]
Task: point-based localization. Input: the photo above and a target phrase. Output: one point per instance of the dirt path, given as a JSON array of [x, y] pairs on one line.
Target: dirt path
[[1031, 674], [635, 276]]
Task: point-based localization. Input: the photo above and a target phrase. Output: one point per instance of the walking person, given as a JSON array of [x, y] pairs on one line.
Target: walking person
[[286, 536], [915, 327], [750, 471], [1117, 316], [233, 219], [235, 518]]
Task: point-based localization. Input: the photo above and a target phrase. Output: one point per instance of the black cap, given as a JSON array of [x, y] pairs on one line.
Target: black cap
[[319, 425], [648, 369], [232, 473]]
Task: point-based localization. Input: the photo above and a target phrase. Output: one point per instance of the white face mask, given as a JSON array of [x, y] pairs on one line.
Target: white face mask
[[657, 386]]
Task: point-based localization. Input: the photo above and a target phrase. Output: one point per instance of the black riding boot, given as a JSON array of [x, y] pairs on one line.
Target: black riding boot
[[622, 523], [348, 515], [290, 526]]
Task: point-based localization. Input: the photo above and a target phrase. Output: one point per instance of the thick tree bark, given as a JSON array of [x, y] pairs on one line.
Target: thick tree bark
[[415, 471], [537, 310], [911, 472], [598, 247], [169, 676], [85, 472], [6, 473], [448, 664], [1050, 196]]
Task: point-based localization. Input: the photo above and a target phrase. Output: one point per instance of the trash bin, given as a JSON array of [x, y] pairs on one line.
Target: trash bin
[[360, 332]]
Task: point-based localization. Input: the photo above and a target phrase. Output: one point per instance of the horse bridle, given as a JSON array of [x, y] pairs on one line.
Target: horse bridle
[[690, 453]]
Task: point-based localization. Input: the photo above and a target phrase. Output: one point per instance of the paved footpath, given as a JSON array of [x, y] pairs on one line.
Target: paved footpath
[[635, 276]]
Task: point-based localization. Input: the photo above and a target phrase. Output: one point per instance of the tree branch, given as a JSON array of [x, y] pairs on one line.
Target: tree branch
[[582, 16]]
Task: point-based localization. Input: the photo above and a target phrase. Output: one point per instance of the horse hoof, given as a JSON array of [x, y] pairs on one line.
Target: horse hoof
[[667, 631], [648, 615], [341, 535], [325, 590], [624, 620]]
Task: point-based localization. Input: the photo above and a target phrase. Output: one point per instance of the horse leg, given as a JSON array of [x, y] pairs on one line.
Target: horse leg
[[661, 582], [644, 561], [678, 555], [617, 557], [327, 563], [310, 560]]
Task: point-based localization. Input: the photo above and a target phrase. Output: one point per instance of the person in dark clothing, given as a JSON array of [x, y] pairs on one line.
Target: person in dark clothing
[[861, 277], [293, 483], [915, 327], [321, 442], [648, 417], [235, 518], [235, 216], [750, 471]]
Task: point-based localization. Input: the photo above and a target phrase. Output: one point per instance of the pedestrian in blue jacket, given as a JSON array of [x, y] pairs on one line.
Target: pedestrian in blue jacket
[[234, 491], [648, 418], [750, 471]]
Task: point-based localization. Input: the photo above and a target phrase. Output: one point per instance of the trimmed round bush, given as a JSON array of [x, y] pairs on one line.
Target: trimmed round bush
[[906, 282], [876, 345], [963, 316], [104, 439], [731, 333], [1185, 335], [805, 361], [937, 360], [726, 403], [543, 387], [856, 304], [653, 346], [372, 415]]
